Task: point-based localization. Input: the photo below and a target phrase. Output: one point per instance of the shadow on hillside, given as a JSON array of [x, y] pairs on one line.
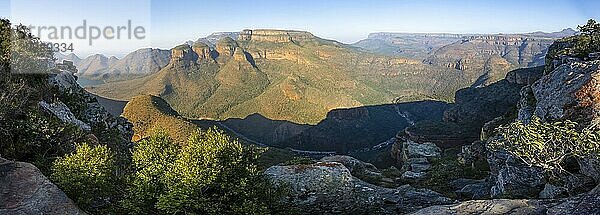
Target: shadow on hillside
[[343, 130], [358, 130]]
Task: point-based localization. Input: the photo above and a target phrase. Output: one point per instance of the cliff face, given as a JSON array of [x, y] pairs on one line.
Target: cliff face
[[571, 91], [275, 36], [488, 58]]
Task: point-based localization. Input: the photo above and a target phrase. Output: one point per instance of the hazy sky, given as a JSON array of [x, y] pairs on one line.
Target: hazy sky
[[172, 22]]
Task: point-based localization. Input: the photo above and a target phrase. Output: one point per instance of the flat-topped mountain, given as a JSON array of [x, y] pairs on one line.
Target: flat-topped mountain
[[284, 75], [485, 58], [276, 36]]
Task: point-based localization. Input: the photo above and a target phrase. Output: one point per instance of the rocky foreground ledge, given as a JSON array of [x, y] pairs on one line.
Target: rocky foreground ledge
[[25, 190], [328, 187]]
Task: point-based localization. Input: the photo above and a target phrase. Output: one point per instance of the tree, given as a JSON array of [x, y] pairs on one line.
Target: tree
[[588, 41], [590, 28], [152, 158], [87, 175]]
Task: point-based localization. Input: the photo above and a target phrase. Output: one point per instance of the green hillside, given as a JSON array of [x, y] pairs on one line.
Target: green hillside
[[285, 75]]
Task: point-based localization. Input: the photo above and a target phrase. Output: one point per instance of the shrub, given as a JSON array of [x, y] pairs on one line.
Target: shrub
[[87, 175], [545, 144], [210, 174]]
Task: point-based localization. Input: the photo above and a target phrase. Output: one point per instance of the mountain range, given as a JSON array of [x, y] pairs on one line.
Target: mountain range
[[299, 77]]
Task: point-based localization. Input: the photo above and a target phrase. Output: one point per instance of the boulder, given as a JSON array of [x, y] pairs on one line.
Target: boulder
[[590, 166], [494, 206], [413, 176], [518, 182], [329, 187], [355, 166], [551, 192], [480, 190], [513, 179], [24, 190], [419, 150], [418, 164]]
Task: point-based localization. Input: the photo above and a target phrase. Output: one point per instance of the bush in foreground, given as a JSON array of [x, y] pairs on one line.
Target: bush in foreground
[[87, 175], [545, 144], [210, 174]]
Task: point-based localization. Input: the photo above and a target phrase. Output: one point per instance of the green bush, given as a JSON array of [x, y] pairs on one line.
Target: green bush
[[87, 175], [210, 174], [545, 144], [152, 158]]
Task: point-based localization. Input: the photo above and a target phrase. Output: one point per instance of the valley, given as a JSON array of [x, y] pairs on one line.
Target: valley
[[291, 89]]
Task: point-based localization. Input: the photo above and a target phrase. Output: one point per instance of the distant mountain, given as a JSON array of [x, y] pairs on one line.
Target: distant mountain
[[285, 75], [410, 45], [485, 58], [94, 65], [70, 57], [140, 62], [559, 34], [213, 38]]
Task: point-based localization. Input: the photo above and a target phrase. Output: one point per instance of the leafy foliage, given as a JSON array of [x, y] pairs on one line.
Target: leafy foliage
[[546, 144], [87, 175], [588, 41], [152, 158], [210, 174], [27, 134]]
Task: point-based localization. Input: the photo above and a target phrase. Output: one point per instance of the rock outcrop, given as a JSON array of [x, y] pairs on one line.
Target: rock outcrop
[[183, 53], [584, 204], [203, 51], [226, 46], [571, 91], [24, 190], [81, 108], [329, 187], [415, 159]]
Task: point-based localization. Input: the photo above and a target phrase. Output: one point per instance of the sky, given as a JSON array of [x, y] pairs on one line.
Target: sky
[[169, 23]]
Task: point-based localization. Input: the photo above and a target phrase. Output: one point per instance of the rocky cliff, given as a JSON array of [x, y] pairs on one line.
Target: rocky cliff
[[275, 36]]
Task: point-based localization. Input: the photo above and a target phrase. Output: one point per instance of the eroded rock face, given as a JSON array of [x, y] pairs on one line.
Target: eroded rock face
[[63, 113], [571, 91], [226, 46], [24, 190], [202, 50], [275, 36], [329, 187], [183, 53]]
